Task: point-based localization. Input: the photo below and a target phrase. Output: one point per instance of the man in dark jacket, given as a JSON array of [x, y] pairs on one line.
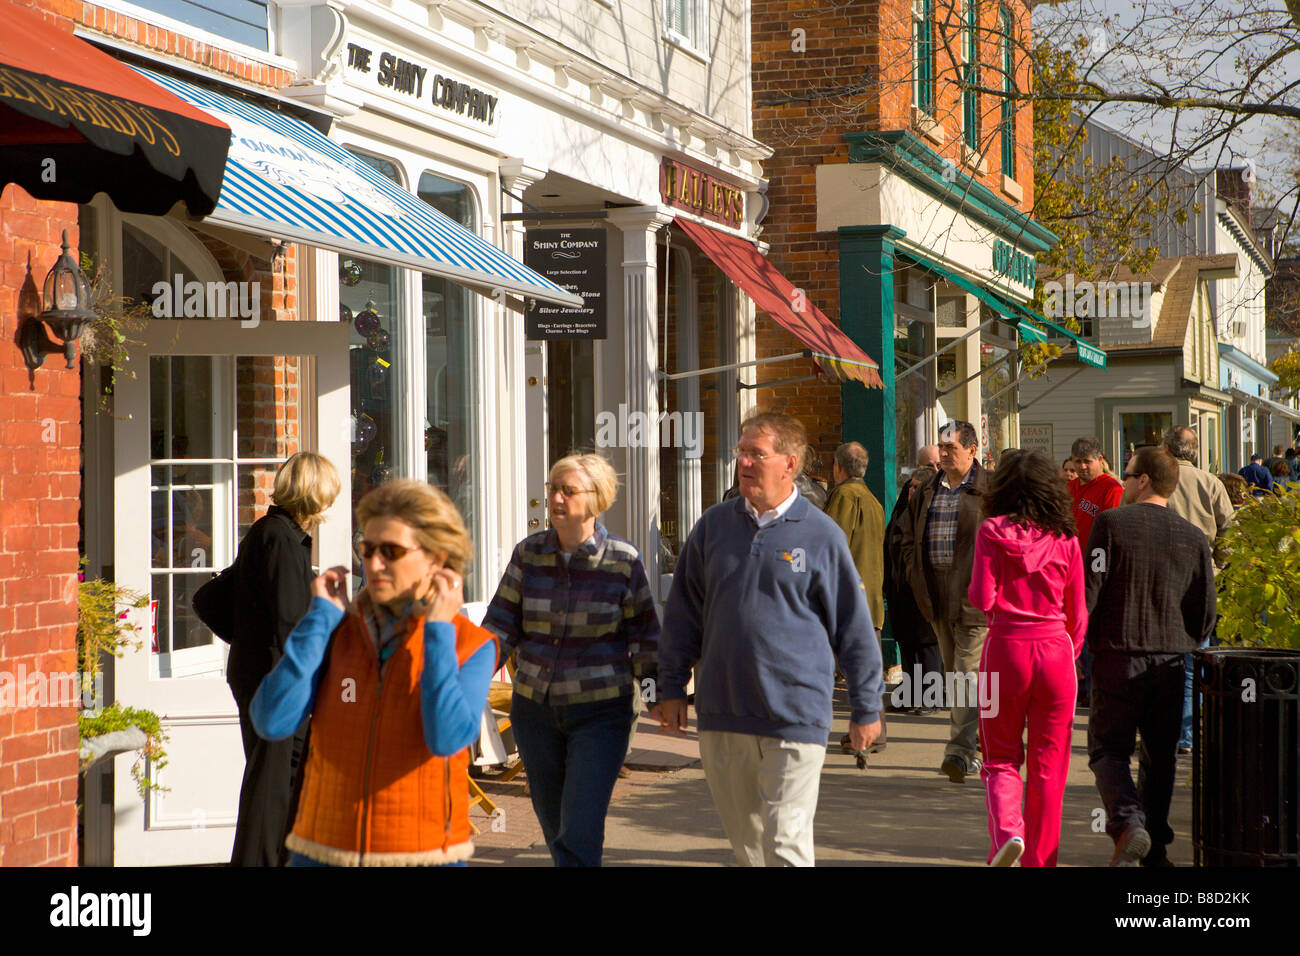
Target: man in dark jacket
[[922, 664], [938, 552], [1151, 599]]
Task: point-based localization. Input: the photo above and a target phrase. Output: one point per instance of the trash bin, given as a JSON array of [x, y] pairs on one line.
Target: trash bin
[[1246, 758]]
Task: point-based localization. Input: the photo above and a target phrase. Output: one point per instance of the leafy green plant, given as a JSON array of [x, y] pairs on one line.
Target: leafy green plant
[[1259, 588], [107, 341], [116, 717], [104, 627]]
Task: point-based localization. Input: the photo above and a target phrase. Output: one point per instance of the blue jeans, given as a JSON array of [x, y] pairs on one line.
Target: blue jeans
[[1185, 732], [572, 754]]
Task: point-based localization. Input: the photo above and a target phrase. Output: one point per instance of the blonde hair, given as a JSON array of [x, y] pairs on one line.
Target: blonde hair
[[305, 486], [437, 525], [599, 472]]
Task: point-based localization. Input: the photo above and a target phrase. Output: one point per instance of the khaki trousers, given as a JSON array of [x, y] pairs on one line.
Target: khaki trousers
[[960, 646], [765, 790]]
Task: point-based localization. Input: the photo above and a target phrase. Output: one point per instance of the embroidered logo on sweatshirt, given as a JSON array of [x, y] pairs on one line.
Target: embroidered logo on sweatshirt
[[797, 559]]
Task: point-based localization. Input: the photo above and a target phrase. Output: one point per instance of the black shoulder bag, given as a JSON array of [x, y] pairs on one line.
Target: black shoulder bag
[[214, 603]]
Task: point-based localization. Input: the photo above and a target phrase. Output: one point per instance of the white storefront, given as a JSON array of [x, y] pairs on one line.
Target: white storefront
[[484, 114]]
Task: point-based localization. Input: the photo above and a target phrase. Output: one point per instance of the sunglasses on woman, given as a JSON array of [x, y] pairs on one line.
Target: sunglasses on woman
[[387, 550]]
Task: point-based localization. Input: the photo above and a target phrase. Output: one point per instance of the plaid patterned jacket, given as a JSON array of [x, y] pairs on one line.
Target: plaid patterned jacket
[[584, 632]]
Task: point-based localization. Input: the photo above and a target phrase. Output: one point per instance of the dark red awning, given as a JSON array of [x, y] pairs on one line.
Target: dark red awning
[[834, 352], [75, 122]]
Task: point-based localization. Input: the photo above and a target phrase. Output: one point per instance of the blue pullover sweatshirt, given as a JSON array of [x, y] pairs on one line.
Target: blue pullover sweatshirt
[[763, 614]]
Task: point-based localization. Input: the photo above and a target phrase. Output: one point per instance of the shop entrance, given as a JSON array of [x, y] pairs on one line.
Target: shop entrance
[[198, 434]]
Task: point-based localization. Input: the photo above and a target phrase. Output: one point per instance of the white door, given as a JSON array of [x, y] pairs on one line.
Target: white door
[[212, 411]]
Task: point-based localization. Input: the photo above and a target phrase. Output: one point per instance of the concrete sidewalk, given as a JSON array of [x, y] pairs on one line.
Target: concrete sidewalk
[[900, 811]]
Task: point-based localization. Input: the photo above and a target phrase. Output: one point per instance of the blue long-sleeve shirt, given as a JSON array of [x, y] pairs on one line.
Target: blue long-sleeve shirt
[[765, 612], [452, 697]]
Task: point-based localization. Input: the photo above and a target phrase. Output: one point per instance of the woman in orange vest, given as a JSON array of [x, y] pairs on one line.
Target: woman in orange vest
[[395, 684]]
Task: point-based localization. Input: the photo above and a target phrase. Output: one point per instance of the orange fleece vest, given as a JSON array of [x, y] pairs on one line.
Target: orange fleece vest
[[373, 794]]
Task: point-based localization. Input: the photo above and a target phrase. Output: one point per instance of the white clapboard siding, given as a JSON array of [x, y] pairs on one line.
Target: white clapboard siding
[[1071, 409], [628, 38]]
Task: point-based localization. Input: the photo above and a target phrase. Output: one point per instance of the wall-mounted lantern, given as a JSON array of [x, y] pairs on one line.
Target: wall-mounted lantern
[[67, 310]]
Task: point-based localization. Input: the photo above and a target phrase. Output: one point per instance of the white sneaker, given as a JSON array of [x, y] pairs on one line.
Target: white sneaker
[[1008, 853]]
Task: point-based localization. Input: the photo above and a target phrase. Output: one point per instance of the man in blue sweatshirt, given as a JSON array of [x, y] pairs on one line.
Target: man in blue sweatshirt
[[765, 598]]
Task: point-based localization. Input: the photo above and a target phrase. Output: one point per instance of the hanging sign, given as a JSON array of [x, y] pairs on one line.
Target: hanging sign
[[574, 259], [700, 192]]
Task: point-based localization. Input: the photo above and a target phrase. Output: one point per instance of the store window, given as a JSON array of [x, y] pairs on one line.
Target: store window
[[914, 392], [997, 396], [371, 302], [451, 394], [1141, 428]]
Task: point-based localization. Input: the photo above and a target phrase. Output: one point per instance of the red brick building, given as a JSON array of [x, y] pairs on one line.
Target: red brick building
[[48, 516], [900, 190]]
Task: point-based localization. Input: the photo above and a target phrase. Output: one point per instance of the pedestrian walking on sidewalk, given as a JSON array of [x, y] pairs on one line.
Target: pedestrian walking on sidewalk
[[574, 604], [273, 582], [855, 509], [922, 662], [765, 599], [395, 683], [1151, 599], [938, 550], [1028, 578]]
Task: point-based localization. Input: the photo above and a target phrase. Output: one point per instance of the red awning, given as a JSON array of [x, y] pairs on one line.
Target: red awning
[[75, 122], [834, 352]]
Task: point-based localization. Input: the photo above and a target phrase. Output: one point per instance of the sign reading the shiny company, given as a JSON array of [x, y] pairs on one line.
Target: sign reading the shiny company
[[700, 192], [574, 259], [426, 87]]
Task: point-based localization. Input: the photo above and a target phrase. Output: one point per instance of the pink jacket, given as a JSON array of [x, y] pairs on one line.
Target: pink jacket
[[1029, 582]]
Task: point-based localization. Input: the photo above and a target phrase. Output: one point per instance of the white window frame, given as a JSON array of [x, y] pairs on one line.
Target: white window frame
[[696, 41]]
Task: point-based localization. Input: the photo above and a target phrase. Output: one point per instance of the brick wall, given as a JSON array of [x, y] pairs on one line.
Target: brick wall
[[40, 471], [805, 100], [40, 490]]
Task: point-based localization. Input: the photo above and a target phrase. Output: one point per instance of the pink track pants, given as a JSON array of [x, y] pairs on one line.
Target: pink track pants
[[1029, 676]]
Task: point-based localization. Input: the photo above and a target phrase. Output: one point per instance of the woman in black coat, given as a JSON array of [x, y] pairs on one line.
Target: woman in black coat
[[272, 591]]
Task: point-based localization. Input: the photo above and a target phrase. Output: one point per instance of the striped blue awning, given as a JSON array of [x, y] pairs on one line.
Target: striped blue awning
[[285, 179]]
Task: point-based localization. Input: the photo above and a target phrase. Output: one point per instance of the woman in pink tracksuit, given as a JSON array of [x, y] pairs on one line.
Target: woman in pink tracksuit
[[1028, 579]]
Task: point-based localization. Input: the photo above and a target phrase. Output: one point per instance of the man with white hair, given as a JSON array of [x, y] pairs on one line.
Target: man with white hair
[[765, 600]]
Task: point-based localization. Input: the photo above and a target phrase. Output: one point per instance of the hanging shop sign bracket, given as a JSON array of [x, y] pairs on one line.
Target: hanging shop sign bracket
[[580, 215], [741, 386], [806, 353]]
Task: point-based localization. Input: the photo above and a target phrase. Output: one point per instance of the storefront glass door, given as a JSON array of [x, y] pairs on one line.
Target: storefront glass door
[[199, 432]]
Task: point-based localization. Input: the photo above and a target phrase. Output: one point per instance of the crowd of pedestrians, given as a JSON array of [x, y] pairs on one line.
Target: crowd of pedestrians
[[1008, 586]]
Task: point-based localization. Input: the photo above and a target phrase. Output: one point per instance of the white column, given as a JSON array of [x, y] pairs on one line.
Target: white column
[[690, 494], [641, 360], [523, 432]]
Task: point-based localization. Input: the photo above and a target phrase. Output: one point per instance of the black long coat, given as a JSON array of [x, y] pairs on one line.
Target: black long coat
[[272, 592]]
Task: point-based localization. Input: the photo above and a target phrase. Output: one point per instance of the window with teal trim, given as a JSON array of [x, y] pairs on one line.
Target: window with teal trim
[[970, 99], [923, 54], [1008, 104]]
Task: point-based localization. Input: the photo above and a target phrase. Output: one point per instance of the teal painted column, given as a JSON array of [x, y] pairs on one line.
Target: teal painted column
[[867, 317]]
